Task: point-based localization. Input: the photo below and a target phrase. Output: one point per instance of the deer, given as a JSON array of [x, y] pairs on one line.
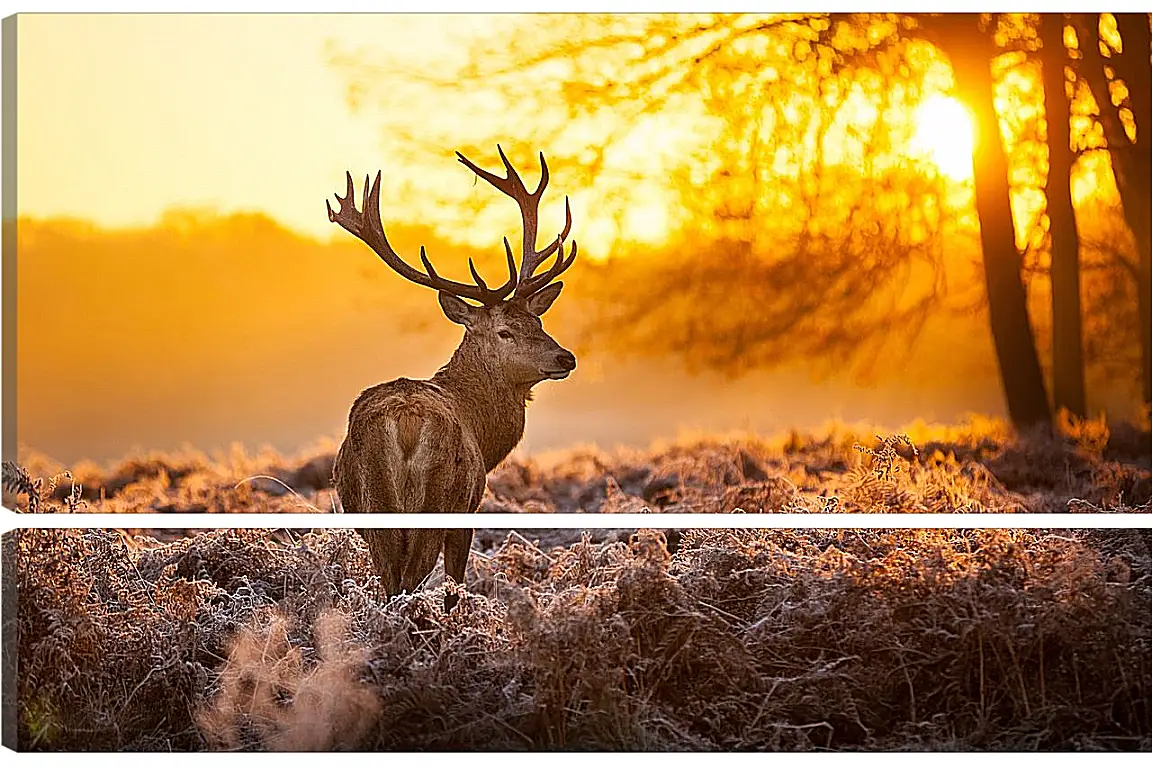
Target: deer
[[428, 445]]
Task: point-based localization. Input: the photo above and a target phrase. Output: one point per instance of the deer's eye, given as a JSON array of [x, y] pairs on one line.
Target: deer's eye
[[505, 335]]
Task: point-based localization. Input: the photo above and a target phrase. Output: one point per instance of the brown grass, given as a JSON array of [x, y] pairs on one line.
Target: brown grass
[[980, 466], [734, 640], [269, 695]]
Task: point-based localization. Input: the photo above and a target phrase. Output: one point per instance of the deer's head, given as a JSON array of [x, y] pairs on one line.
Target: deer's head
[[503, 326]]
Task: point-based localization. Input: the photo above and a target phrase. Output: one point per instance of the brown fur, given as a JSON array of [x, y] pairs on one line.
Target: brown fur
[[427, 446]]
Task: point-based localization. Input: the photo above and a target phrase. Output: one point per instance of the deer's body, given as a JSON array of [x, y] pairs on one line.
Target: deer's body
[[427, 446], [408, 450]]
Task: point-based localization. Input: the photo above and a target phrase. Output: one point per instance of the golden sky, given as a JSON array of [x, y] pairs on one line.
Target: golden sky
[[122, 116]]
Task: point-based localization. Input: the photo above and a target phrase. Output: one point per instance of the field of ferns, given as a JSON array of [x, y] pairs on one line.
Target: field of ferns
[[979, 466], [607, 640], [656, 639]]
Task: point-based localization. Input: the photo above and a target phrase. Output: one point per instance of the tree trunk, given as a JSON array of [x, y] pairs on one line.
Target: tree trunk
[[1135, 180], [970, 51], [1067, 336], [1130, 162]]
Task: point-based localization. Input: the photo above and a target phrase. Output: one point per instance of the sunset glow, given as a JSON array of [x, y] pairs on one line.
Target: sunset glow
[[944, 133], [731, 211]]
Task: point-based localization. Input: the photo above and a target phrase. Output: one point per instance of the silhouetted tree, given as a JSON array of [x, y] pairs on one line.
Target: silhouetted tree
[[1122, 87], [969, 43], [795, 212], [772, 86], [1067, 337]]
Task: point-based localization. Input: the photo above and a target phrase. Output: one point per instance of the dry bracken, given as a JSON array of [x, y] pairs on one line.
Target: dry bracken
[[689, 640], [979, 466]]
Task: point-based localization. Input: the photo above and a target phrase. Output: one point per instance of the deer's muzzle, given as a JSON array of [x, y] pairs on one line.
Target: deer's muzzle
[[564, 365]]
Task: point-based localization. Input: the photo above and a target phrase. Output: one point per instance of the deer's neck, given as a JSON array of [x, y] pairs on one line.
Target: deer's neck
[[489, 405]]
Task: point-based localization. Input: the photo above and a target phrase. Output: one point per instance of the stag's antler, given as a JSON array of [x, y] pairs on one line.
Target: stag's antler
[[366, 225], [529, 202]]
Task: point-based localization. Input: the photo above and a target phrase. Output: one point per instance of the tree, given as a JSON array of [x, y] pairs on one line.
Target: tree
[[1123, 93], [1067, 337], [770, 91], [796, 210], [970, 46]]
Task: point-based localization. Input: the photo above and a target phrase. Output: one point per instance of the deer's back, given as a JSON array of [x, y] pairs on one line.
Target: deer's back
[[407, 450]]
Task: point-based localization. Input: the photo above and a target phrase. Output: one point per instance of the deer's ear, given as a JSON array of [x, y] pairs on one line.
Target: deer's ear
[[539, 302], [456, 309]]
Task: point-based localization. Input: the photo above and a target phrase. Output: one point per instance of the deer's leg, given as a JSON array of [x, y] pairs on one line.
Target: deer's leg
[[385, 546], [420, 557], [457, 545]]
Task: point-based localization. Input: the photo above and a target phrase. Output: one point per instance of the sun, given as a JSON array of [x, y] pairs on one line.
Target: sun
[[944, 134]]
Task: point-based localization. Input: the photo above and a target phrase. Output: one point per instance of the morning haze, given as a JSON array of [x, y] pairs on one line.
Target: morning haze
[[808, 256]]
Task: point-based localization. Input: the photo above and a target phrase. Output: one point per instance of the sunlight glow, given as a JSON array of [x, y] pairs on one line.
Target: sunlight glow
[[647, 222], [944, 134]]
